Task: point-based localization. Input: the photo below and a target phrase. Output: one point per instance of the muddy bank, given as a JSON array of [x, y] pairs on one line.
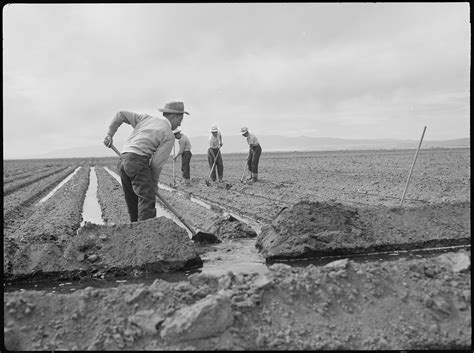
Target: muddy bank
[[343, 305], [312, 229], [151, 246]]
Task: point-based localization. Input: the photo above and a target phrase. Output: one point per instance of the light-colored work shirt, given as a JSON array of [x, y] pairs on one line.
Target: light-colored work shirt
[[216, 141], [151, 137], [184, 144], [252, 140]]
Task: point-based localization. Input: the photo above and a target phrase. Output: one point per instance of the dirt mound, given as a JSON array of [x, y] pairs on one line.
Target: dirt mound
[[311, 229], [151, 246], [343, 305], [232, 228]]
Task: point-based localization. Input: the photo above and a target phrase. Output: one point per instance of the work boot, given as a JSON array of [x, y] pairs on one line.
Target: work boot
[[187, 182], [254, 176]]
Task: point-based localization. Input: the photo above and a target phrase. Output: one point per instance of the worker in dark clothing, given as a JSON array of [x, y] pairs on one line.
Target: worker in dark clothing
[[185, 153], [214, 154], [254, 153]]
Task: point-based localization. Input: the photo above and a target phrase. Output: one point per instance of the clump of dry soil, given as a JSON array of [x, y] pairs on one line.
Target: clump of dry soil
[[232, 228]]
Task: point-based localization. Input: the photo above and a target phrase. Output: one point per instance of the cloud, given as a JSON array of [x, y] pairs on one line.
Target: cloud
[[333, 69]]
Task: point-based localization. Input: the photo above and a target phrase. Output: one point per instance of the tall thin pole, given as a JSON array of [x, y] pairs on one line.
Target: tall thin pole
[[412, 165]]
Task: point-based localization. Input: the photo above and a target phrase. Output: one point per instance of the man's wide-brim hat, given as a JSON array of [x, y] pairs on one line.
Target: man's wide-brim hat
[[174, 107], [214, 128], [243, 130], [178, 131]]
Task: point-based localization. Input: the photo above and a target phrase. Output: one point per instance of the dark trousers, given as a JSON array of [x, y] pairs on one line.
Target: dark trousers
[[253, 158], [138, 187], [211, 155], [185, 160]]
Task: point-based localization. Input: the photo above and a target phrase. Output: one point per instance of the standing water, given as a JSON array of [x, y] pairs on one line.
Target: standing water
[[92, 212]]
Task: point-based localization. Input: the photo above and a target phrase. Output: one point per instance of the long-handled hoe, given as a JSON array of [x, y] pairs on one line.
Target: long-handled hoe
[[243, 179], [227, 186], [199, 237], [208, 183]]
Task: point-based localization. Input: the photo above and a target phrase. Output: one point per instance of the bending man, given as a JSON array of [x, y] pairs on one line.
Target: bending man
[[254, 153], [144, 154]]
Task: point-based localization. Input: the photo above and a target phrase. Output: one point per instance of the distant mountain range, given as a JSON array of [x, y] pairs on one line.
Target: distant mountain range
[[272, 143]]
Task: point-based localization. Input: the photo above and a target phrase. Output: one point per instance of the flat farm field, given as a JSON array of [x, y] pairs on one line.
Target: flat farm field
[[401, 304], [351, 177], [359, 178]]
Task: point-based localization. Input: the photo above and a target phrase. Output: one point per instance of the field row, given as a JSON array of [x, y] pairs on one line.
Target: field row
[[362, 178], [19, 204]]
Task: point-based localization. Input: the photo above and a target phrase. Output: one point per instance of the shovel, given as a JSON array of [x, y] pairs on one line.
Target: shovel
[[199, 237]]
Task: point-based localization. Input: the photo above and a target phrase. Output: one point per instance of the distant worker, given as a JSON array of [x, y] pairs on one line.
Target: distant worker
[[144, 154], [214, 154], [185, 153], [254, 153]]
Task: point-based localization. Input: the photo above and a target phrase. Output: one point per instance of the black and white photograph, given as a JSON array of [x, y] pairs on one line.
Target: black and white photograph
[[278, 176]]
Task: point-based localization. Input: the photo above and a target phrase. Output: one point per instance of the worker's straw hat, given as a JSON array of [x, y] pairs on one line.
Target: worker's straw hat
[[243, 130], [174, 107], [177, 131], [214, 128]]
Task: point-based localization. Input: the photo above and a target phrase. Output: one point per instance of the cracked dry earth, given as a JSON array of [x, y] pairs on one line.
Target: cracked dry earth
[[414, 302]]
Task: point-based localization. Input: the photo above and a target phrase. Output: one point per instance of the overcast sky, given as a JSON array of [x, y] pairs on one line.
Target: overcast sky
[[348, 70]]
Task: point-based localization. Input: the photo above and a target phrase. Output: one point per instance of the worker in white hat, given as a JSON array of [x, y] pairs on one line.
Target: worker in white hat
[[254, 153], [185, 153], [214, 154], [145, 152]]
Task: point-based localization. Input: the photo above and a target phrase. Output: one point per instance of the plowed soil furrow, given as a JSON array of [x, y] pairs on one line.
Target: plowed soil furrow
[[259, 210], [199, 216], [20, 204], [58, 218], [111, 198], [24, 175], [11, 169], [23, 183]]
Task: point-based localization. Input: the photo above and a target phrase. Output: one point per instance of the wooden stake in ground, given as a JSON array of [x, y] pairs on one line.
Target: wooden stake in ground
[[412, 165]]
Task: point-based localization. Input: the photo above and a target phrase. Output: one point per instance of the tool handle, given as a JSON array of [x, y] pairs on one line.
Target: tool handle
[[215, 161], [167, 204], [171, 208], [115, 149]]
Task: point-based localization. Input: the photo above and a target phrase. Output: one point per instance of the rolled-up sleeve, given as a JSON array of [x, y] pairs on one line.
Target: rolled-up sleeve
[[120, 118]]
